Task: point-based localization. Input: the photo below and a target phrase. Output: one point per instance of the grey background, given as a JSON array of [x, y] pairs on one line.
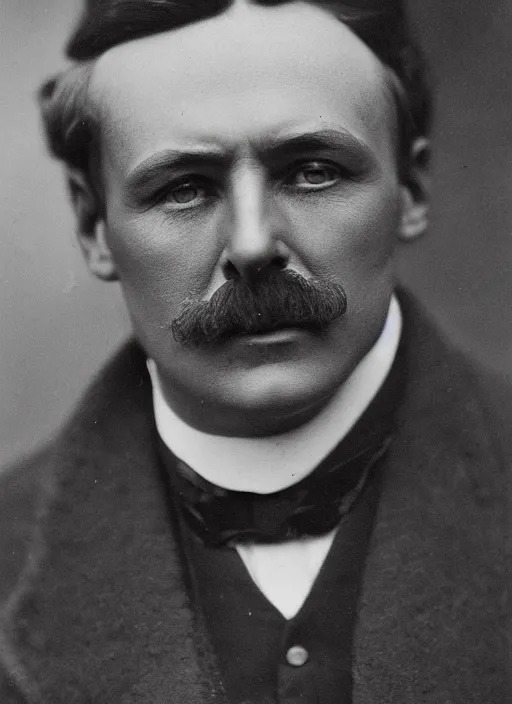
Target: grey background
[[57, 325]]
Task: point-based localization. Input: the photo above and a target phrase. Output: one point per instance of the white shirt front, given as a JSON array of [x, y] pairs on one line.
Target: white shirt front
[[283, 572]]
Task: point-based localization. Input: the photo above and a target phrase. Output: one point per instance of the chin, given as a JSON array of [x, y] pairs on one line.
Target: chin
[[280, 397]]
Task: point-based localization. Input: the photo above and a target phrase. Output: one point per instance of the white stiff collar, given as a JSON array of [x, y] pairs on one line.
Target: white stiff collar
[[269, 464]]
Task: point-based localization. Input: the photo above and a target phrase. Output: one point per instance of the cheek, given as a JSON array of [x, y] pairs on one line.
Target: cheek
[[353, 237], [159, 263]]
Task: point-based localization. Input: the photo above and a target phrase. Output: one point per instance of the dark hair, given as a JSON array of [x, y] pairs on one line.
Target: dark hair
[[70, 124]]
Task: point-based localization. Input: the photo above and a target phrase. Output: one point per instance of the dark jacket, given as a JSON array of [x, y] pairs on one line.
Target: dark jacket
[[95, 605]]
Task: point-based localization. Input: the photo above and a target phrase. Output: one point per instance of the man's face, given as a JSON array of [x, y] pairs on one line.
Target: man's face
[[262, 137]]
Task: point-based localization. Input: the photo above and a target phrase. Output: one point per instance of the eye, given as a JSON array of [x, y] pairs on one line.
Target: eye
[[187, 194], [315, 175]]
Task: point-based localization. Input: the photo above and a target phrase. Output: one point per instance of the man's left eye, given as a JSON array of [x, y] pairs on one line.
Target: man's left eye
[[316, 175]]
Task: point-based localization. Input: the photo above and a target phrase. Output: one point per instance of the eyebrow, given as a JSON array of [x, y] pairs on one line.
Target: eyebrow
[[318, 140], [270, 147], [174, 159]]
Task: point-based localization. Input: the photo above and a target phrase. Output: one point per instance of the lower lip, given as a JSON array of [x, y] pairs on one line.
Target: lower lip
[[277, 337]]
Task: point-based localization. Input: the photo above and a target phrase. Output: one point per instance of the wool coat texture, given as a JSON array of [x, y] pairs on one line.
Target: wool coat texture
[[95, 606]]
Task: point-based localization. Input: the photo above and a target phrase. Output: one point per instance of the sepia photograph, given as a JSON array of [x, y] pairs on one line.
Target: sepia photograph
[[256, 352]]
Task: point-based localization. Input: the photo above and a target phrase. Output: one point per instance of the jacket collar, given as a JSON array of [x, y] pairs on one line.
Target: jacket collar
[[430, 619], [432, 616]]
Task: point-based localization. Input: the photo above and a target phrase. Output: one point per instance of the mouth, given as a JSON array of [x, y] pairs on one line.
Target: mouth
[[280, 336]]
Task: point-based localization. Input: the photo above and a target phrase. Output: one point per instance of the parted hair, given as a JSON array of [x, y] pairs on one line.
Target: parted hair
[[69, 120]]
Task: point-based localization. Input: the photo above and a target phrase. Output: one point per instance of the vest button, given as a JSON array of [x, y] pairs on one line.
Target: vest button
[[297, 656]]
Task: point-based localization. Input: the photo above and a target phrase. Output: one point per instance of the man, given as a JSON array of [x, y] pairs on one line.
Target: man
[[289, 488]]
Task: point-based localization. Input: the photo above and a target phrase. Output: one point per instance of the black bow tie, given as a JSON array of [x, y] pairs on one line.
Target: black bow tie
[[313, 506]]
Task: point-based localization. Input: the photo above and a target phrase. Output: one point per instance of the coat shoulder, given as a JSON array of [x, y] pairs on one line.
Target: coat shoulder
[[26, 486], [458, 378], [495, 394], [22, 487]]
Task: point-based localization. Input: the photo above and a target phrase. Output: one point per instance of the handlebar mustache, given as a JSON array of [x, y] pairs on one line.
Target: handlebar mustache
[[276, 300]]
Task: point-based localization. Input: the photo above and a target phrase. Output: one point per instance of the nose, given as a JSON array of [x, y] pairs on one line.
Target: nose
[[255, 229]]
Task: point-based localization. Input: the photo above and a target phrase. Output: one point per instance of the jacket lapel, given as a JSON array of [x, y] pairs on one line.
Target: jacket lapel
[[432, 620], [108, 617]]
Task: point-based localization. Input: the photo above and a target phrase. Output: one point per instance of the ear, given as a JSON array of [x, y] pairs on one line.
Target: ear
[[91, 226], [415, 192]]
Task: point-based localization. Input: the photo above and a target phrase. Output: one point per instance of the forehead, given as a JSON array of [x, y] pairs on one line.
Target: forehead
[[247, 73]]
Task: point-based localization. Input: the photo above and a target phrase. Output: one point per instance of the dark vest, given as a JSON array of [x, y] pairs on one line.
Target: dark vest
[[254, 643]]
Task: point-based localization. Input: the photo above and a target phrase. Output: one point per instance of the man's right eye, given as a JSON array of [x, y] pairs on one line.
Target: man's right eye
[[187, 194]]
